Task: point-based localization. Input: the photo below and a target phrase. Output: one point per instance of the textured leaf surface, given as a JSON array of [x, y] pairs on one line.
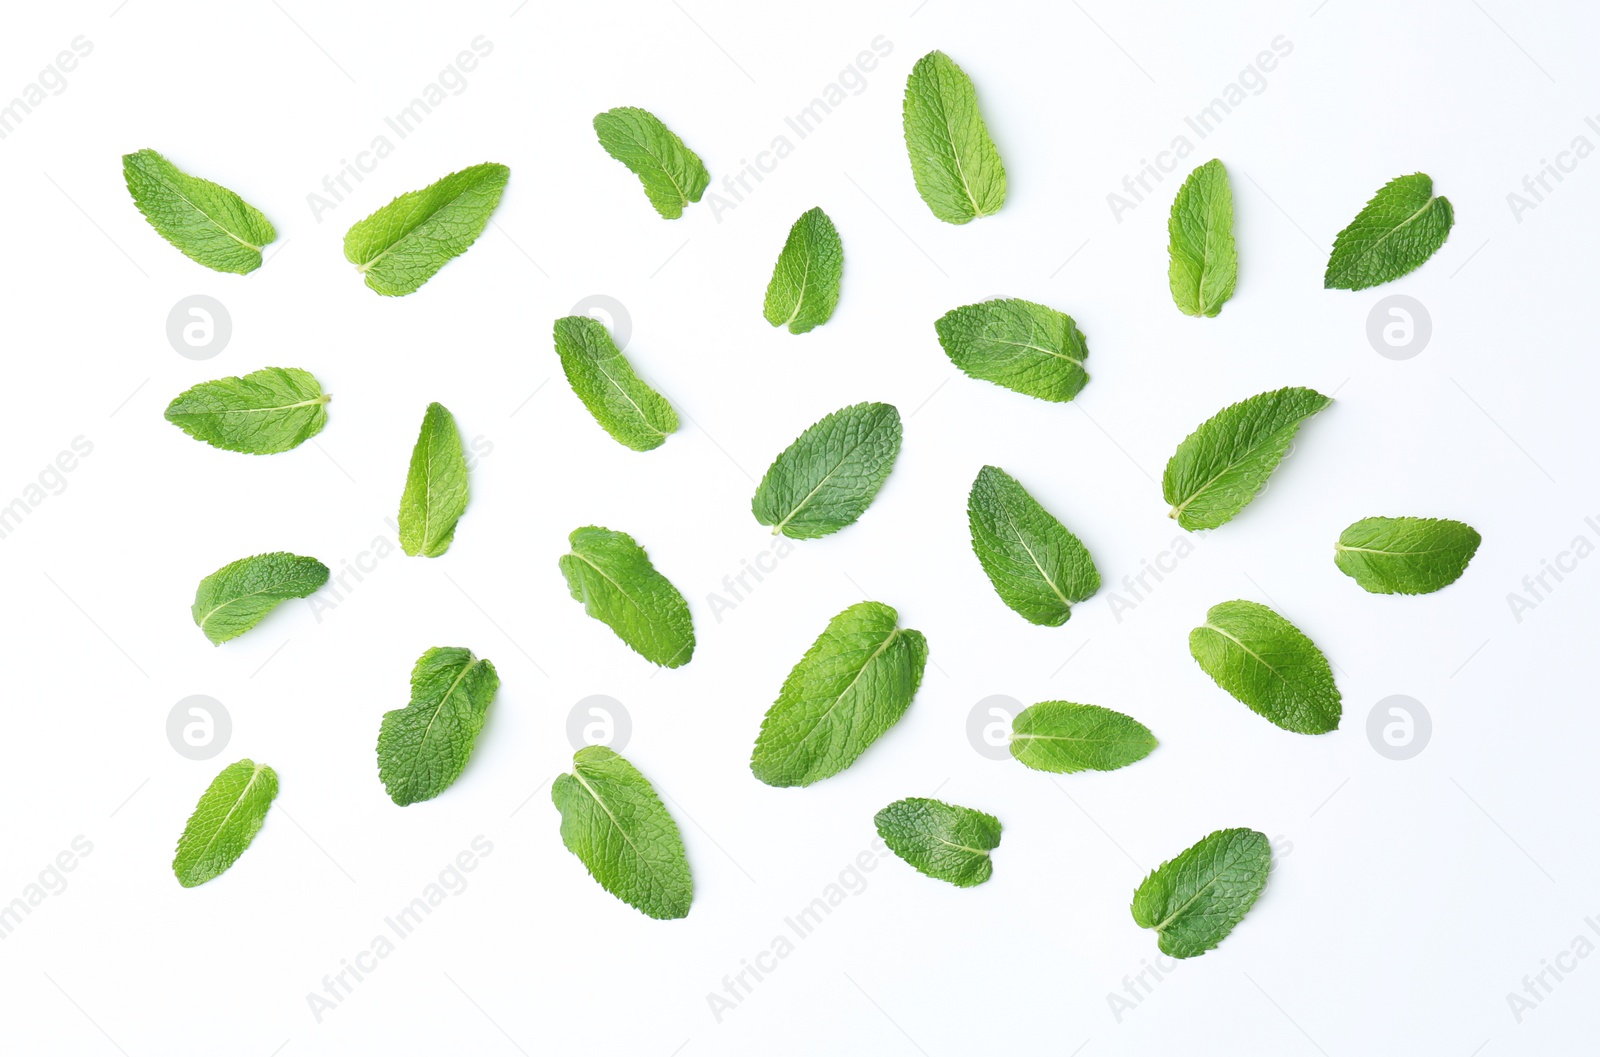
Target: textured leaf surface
[[1196, 898], [633, 413], [612, 820], [207, 222], [1224, 463], [435, 496], [239, 595], [1267, 663], [1037, 567], [1063, 737], [424, 747], [805, 283], [612, 576], [225, 821], [852, 685], [405, 243], [267, 411], [1204, 265], [1405, 555], [954, 162], [945, 841], [1029, 348], [1400, 228], [828, 477], [672, 174]]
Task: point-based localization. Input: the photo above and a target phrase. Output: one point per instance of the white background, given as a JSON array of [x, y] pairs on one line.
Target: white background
[[1413, 896]]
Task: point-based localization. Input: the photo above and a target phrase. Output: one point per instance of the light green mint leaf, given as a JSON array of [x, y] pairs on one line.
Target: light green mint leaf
[[612, 820], [1028, 348], [1196, 898], [1222, 465], [944, 841], [1268, 664], [1062, 737], [402, 245], [239, 595], [1405, 555], [852, 685], [828, 477], [953, 160], [225, 821], [435, 496], [612, 576], [1204, 264], [1037, 567], [207, 222], [634, 414], [424, 747], [267, 411], [1403, 225], [672, 174], [805, 283]]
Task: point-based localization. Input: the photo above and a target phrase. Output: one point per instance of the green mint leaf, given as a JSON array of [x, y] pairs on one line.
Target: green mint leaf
[[1196, 898], [944, 841], [267, 411], [239, 595], [225, 821], [1205, 265], [1405, 555], [1268, 664], [1224, 463], [672, 174], [1037, 567], [612, 576], [828, 477], [435, 496], [612, 820], [634, 414], [852, 685], [424, 747], [207, 222], [1062, 737], [402, 245], [1028, 348], [1403, 225], [805, 282], [953, 160]]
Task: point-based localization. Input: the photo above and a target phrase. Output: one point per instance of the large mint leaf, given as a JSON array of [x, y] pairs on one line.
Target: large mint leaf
[[1063, 737], [852, 685], [805, 283], [944, 841], [207, 222], [1031, 349], [828, 477], [634, 414], [435, 496], [612, 576], [1224, 463], [1268, 664], [672, 174], [1400, 228], [239, 595], [1204, 264], [225, 821], [612, 820], [402, 245], [1196, 898], [267, 411], [954, 162], [1405, 555], [424, 747], [1037, 567]]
